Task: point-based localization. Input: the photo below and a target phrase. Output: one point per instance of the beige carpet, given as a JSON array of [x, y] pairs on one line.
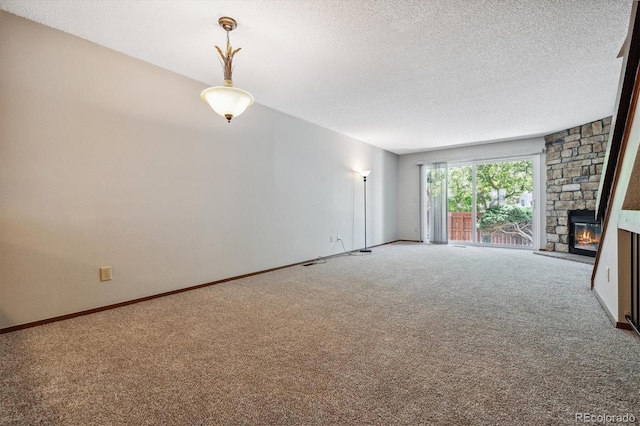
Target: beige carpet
[[412, 334]]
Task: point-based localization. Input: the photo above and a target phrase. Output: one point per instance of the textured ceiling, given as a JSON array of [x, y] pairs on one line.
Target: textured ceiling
[[404, 75]]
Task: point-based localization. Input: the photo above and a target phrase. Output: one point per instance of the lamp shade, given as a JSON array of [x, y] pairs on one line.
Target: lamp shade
[[228, 101], [365, 173]]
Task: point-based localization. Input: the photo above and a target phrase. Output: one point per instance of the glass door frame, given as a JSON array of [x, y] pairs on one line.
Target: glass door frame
[[536, 195]]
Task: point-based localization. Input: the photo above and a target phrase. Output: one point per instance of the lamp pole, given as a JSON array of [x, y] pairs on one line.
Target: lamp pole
[[364, 174]]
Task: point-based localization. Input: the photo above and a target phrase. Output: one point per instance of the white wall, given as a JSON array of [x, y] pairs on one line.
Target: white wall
[[605, 286], [107, 160], [409, 193]]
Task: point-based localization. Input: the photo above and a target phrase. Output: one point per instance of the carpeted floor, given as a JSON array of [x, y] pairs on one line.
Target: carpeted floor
[[412, 334]]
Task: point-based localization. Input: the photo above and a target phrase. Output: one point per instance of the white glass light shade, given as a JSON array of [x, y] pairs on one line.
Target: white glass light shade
[[228, 101], [365, 173]]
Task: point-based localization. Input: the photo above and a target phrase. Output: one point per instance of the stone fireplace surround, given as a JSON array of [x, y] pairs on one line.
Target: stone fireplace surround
[[574, 160]]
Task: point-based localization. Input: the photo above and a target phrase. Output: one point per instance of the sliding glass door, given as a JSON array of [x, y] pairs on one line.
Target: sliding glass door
[[504, 203], [491, 203], [460, 204]]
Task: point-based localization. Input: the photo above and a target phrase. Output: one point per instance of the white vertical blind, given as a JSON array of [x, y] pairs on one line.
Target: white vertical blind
[[437, 190]]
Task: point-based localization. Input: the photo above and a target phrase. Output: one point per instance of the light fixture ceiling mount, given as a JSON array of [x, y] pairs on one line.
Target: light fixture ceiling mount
[[228, 24], [226, 100]]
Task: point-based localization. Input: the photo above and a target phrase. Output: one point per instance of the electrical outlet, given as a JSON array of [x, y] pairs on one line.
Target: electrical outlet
[[330, 238], [105, 273], [339, 237]]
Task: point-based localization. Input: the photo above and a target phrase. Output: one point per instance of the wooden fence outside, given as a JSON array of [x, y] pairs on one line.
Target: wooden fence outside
[[460, 228]]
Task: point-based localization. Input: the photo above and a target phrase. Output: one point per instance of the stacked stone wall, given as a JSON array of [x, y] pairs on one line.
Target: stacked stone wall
[[574, 160]]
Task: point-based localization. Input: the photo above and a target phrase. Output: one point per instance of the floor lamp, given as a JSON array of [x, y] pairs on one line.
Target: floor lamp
[[364, 174]]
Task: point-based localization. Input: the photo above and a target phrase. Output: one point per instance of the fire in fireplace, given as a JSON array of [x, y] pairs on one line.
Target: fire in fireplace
[[584, 232], [587, 236]]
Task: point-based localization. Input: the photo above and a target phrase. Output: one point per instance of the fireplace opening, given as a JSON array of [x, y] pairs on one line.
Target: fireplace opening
[[584, 232]]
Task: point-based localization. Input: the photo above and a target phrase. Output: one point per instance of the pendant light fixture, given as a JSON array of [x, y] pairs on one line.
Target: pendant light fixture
[[226, 100]]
